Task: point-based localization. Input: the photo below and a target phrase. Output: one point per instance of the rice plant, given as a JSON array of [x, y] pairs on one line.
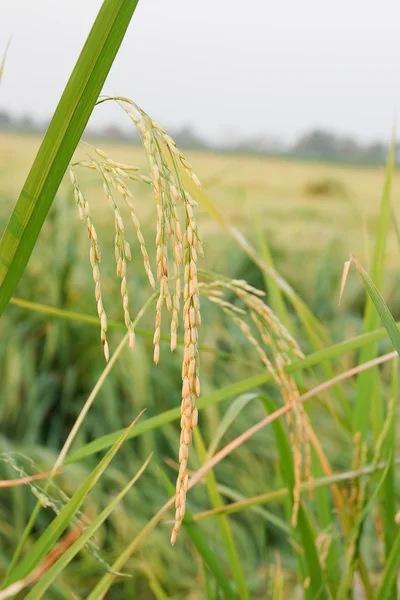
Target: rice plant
[[304, 431]]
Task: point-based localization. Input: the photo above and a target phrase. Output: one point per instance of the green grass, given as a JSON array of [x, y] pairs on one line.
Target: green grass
[[60, 347]]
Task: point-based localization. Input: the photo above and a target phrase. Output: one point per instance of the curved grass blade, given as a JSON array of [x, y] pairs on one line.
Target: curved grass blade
[[52, 533], [64, 132], [388, 496], [274, 292], [304, 533], [365, 382], [47, 579], [353, 537], [170, 415], [235, 408], [379, 303]]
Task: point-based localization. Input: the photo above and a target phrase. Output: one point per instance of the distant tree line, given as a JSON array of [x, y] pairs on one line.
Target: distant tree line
[[317, 144]]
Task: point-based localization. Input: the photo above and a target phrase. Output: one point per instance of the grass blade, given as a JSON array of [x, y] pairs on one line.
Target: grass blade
[[380, 305], [388, 496], [224, 525], [231, 414], [365, 380], [47, 579], [50, 536], [64, 132], [309, 563], [390, 572]]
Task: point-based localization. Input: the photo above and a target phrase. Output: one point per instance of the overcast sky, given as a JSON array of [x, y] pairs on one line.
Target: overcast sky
[[245, 67]]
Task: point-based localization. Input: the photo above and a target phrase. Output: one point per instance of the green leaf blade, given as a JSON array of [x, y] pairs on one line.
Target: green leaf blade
[[60, 141]]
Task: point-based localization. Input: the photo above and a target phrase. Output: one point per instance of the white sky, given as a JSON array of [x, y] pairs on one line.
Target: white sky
[[239, 66]]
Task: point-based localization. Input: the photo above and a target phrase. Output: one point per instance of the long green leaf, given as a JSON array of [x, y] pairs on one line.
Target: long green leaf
[[388, 497], [60, 141], [304, 533], [365, 380], [47, 579]]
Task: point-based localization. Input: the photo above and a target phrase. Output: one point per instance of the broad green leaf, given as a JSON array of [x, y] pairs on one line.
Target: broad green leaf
[[47, 579], [64, 132]]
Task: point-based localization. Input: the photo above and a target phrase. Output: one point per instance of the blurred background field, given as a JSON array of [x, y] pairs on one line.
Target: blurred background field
[[308, 210], [312, 215]]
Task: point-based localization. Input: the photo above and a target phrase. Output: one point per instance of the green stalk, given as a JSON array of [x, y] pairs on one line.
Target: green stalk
[[64, 132], [365, 382]]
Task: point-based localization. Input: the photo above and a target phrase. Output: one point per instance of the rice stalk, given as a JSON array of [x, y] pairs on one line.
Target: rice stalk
[[165, 162], [275, 348]]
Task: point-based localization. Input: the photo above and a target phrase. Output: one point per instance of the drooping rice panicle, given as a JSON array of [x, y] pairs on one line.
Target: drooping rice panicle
[[122, 252], [190, 369], [168, 190], [280, 343], [112, 172], [94, 255], [165, 164]]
